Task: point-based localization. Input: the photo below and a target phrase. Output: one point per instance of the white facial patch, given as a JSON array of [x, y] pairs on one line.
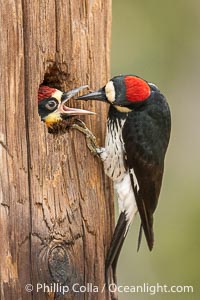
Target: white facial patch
[[110, 91], [57, 95], [123, 109]]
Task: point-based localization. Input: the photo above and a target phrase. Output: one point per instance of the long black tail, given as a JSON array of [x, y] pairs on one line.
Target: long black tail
[[115, 247]]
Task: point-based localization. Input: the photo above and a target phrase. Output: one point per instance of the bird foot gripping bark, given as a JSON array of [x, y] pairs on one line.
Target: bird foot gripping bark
[[90, 138]]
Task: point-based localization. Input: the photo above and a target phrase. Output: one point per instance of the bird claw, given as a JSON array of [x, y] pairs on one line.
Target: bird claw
[[90, 138]]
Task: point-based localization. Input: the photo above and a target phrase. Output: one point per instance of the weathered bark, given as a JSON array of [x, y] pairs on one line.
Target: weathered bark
[[56, 203]]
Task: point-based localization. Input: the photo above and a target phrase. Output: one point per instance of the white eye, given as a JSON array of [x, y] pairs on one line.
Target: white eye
[[51, 104], [110, 91]]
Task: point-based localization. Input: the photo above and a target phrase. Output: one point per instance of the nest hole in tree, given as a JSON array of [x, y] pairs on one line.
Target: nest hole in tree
[[55, 77]]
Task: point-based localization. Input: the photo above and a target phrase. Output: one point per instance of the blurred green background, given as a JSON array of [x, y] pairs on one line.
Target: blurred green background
[[160, 41]]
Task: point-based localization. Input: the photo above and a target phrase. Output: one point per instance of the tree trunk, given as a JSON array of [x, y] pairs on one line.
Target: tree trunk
[[56, 206]]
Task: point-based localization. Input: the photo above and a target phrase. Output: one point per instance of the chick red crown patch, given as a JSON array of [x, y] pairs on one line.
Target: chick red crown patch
[[45, 92]]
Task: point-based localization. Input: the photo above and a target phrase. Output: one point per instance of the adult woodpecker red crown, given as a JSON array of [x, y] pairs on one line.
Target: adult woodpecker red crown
[[52, 105], [138, 132]]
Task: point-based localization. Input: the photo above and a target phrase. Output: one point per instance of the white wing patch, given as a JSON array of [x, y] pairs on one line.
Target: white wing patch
[[126, 198], [134, 179], [110, 91]]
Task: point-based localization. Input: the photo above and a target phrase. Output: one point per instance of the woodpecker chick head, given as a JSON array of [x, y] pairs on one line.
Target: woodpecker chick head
[[53, 110], [124, 92]]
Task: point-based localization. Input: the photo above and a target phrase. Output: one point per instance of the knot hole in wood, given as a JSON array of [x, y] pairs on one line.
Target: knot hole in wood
[[59, 264]]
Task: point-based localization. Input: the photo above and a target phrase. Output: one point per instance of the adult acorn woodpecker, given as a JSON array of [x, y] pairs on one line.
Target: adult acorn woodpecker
[[53, 110], [138, 132]]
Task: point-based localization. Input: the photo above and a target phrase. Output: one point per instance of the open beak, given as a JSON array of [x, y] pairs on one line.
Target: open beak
[[98, 95], [65, 110]]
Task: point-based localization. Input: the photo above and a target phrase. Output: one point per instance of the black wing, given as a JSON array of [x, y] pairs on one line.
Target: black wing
[[146, 135]]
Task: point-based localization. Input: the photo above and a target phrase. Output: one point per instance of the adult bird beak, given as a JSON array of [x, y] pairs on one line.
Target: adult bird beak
[[63, 109], [98, 95]]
